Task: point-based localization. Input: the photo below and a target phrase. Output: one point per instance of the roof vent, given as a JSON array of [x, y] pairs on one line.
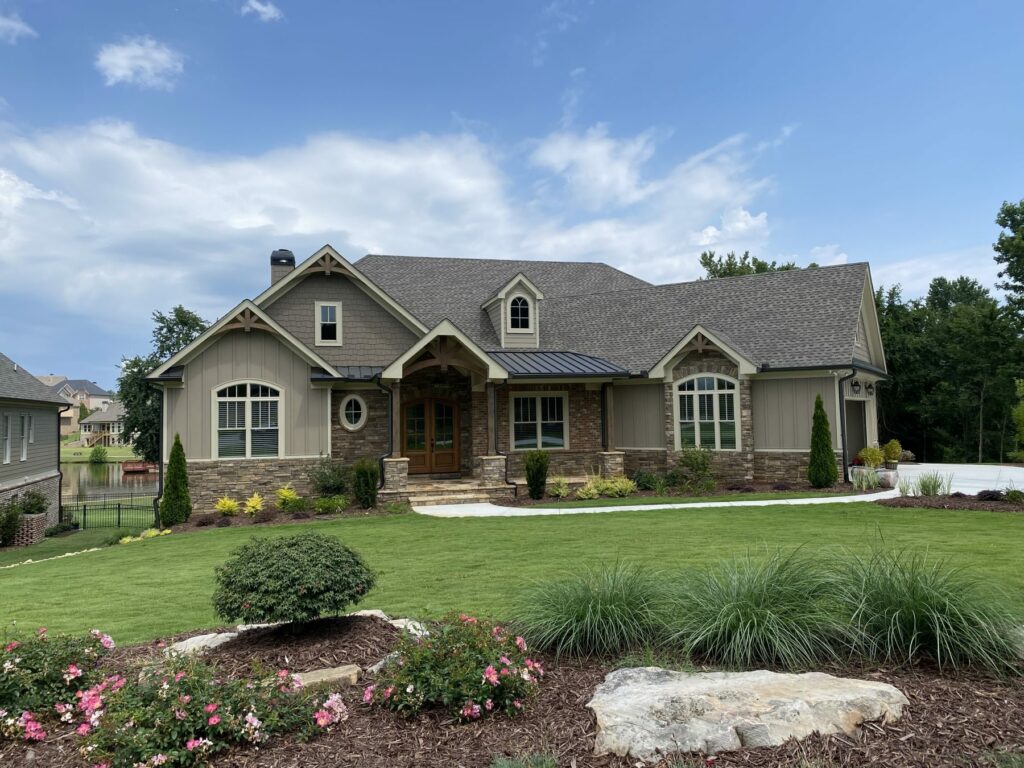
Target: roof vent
[[282, 261]]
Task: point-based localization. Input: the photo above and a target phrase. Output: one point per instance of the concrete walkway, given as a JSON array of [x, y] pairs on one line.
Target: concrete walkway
[[970, 478], [486, 509]]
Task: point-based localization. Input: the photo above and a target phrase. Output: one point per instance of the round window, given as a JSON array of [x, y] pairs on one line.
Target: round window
[[353, 413]]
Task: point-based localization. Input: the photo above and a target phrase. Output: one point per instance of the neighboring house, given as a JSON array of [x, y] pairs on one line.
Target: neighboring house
[[29, 443], [80, 390], [456, 367], [104, 427]]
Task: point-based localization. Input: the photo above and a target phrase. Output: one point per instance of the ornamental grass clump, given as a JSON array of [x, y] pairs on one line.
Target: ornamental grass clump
[[775, 611], [906, 608], [292, 578], [599, 612], [467, 667]]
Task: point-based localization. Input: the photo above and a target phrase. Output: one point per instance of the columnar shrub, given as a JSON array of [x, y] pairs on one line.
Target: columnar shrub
[[466, 666], [176, 503], [601, 611], [536, 463], [821, 470], [295, 578], [10, 521], [329, 477], [365, 479]]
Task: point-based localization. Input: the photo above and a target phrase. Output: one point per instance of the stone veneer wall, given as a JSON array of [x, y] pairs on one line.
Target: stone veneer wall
[[432, 382], [49, 487], [584, 422], [209, 480], [730, 466], [787, 466], [370, 442]]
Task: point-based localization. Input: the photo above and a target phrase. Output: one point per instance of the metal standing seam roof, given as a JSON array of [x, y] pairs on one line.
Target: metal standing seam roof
[[543, 364], [348, 373]]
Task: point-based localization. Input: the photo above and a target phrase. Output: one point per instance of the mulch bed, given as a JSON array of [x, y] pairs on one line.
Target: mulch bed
[[210, 520], [951, 721], [960, 501]]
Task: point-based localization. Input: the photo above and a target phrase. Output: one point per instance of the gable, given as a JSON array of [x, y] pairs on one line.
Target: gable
[[370, 333], [867, 344]]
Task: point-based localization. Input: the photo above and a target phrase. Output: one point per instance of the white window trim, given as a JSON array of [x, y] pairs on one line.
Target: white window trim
[[7, 438], [316, 324], [341, 413], [23, 423], [512, 415], [31, 429], [531, 314], [281, 420], [675, 411]]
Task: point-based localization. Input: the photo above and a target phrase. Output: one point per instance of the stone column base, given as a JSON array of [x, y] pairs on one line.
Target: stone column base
[[396, 474], [612, 463], [491, 469]]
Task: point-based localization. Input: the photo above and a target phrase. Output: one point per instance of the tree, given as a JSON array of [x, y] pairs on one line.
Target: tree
[[1009, 248], [83, 411], [822, 471], [141, 400], [732, 265], [176, 503]]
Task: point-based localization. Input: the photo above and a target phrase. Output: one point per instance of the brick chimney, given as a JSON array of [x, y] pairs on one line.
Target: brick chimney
[[282, 262]]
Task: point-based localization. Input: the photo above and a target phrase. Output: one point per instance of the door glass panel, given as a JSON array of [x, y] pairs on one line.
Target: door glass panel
[[415, 427], [444, 426]]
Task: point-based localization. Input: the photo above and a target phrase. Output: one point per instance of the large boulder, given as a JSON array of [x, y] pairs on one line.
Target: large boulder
[[647, 712]]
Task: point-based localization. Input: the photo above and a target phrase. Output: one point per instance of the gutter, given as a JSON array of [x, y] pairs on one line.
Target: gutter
[[855, 366], [604, 417], [160, 464]]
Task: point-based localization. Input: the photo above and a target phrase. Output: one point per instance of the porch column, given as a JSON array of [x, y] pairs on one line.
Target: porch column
[[492, 410], [609, 418], [396, 420]]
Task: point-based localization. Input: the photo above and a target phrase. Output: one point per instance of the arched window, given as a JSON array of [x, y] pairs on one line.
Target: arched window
[[707, 412], [519, 314], [353, 413], [247, 421]]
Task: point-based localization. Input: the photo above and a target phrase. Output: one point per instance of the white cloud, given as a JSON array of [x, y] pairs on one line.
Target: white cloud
[[828, 255], [140, 61], [557, 16], [12, 28], [169, 224], [916, 273], [264, 9]]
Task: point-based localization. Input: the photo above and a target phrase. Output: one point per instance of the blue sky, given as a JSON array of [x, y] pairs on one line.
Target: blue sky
[[155, 153]]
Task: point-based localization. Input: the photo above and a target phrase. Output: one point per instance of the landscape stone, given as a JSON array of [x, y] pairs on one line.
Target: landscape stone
[[347, 674], [201, 643], [648, 712]]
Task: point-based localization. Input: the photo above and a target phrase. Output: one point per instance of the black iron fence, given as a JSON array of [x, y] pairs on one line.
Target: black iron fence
[[113, 510]]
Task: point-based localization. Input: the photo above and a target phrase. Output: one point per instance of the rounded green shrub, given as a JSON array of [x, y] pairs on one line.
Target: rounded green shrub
[[776, 611], [295, 578], [598, 612], [906, 608], [98, 455]]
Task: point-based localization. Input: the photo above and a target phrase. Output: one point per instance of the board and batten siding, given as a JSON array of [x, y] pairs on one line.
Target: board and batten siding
[[784, 408], [253, 356], [518, 339], [638, 414], [370, 334], [41, 459]]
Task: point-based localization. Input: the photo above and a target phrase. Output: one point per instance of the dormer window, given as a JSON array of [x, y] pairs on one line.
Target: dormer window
[[519, 315], [328, 323]]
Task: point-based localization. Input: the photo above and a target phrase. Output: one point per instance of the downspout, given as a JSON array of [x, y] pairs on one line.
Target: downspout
[[842, 423], [60, 472], [391, 421]]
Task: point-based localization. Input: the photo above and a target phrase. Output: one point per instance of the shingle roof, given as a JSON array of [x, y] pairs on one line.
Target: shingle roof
[[89, 387], [436, 289], [541, 364], [18, 384], [114, 412], [796, 318]]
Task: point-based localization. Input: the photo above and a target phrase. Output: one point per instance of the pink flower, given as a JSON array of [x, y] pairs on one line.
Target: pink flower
[[83, 729], [505, 660], [322, 717], [214, 720], [491, 675], [191, 744], [179, 714], [496, 631], [368, 693], [158, 759], [471, 711], [466, 619], [72, 673], [185, 699], [282, 673], [11, 646], [210, 709], [504, 672], [521, 643], [388, 691], [517, 704], [489, 705], [178, 676], [41, 632]]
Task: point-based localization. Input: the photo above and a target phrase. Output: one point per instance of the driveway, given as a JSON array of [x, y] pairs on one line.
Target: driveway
[[970, 478]]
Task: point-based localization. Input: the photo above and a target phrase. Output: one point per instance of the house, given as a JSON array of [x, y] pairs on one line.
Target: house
[[29, 444], [82, 391], [104, 427], [448, 368]]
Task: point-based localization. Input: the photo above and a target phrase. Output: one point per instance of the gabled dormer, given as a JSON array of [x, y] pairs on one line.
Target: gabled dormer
[[515, 313]]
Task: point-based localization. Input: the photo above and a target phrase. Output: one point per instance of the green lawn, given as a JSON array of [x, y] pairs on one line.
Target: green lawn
[[428, 566], [636, 501], [81, 455], [56, 545]]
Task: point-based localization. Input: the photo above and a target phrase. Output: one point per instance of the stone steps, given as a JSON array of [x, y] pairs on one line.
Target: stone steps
[[440, 493]]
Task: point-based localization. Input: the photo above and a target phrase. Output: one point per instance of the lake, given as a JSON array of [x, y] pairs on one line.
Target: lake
[[91, 480]]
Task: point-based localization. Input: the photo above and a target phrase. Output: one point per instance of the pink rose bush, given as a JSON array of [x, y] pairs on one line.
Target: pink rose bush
[[468, 666]]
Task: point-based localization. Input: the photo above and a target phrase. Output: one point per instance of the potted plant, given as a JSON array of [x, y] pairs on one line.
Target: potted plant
[[891, 453]]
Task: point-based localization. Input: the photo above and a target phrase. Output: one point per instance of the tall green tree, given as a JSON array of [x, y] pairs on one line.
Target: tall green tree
[[1009, 248], [176, 502], [731, 265], [141, 400], [821, 471]]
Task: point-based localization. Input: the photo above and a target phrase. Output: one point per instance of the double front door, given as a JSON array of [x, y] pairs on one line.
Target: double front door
[[430, 435]]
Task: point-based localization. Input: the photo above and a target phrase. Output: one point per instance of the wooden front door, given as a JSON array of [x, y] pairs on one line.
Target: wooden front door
[[430, 435]]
